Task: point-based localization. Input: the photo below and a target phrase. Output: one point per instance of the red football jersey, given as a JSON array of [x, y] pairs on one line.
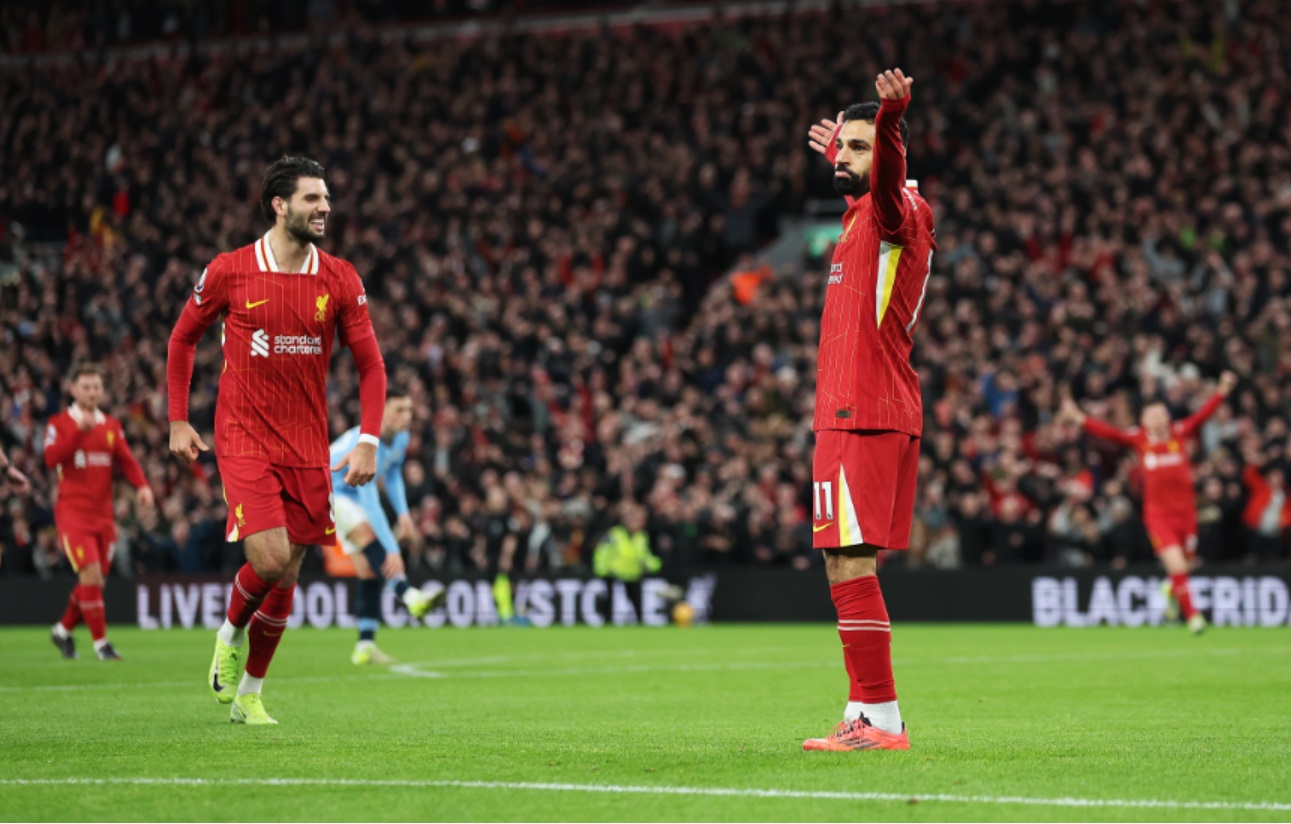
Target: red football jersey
[[84, 462], [279, 328], [877, 284], [1167, 470]]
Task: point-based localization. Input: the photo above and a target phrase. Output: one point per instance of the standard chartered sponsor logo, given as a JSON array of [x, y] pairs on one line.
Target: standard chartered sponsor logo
[[1153, 460], [285, 344], [297, 345], [260, 343]]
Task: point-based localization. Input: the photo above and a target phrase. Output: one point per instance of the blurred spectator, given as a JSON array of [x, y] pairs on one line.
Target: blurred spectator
[[1268, 510]]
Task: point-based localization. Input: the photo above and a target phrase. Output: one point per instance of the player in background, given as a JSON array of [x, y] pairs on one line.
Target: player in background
[[283, 302], [869, 415], [365, 532], [1169, 500], [84, 446]]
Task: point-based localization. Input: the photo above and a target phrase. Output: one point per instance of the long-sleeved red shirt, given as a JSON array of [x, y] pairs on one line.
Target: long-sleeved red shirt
[[278, 332], [85, 462], [877, 284], [1167, 470]]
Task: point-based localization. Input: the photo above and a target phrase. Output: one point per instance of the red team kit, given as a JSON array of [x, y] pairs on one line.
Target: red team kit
[[869, 413], [1169, 500], [271, 434]]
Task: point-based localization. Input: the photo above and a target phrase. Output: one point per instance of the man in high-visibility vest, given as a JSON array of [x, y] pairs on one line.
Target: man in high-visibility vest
[[624, 553]]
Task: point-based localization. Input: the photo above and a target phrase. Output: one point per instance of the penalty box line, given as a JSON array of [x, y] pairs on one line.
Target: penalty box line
[[626, 789]]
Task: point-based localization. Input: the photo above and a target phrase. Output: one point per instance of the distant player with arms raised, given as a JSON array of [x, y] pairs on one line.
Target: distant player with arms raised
[[869, 414], [1169, 500], [283, 302]]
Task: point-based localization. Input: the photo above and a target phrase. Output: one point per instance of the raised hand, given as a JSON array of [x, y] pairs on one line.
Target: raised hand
[[893, 85], [821, 136], [1071, 412], [1227, 383]]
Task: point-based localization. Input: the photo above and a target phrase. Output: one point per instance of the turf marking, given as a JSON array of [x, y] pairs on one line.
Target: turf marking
[[415, 670], [628, 789], [430, 669]]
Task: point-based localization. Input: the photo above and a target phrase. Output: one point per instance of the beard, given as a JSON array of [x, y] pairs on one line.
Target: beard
[[853, 185], [298, 227]]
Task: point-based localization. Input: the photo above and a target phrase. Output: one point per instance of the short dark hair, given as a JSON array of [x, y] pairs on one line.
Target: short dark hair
[[869, 112], [82, 369], [394, 390], [280, 180]]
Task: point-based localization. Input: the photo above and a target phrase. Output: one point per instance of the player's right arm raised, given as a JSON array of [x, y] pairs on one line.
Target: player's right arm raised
[[892, 209], [1093, 426], [209, 301]]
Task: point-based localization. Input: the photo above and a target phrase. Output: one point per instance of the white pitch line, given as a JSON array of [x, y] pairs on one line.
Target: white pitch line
[[415, 669], [192, 683], [627, 789]]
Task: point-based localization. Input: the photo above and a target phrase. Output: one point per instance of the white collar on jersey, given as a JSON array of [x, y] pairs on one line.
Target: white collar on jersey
[[78, 415], [268, 263]]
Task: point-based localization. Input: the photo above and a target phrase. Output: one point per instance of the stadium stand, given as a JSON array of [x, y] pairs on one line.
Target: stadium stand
[[545, 224]]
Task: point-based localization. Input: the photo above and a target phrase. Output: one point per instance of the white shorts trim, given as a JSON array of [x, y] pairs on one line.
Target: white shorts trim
[[350, 515]]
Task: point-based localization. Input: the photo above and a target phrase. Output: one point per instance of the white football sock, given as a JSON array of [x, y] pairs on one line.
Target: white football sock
[[885, 716], [250, 684], [100, 644], [61, 631], [231, 635]]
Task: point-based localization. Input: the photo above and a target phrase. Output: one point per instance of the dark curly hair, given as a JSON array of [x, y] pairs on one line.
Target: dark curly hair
[[280, 180], [869, 112]]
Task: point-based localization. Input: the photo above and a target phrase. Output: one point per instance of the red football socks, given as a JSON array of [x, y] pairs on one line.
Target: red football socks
[[1182, 594], [249, 593], [867, 639], [72, 615], [266, 629], [90, 601]]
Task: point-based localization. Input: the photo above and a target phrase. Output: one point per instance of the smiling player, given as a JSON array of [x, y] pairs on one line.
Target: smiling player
[[283, 301]]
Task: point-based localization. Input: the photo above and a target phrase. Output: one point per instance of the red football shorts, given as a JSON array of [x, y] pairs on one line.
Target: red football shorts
[[863, 486], [86, 545], [1167, 529], [263, 496]]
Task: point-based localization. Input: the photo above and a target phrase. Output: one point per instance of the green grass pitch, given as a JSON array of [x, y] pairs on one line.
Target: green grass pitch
[[1006, 723]]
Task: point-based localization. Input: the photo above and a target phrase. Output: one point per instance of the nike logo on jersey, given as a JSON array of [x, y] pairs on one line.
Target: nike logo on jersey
[[251, 305], [820, 528], [330, 530]]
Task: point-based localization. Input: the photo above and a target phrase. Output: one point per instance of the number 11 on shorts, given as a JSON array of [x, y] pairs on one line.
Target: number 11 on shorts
[[823, 500]]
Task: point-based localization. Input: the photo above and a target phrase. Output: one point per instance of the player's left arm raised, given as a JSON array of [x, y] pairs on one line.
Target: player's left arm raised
[[1190, 424], [892, 209]]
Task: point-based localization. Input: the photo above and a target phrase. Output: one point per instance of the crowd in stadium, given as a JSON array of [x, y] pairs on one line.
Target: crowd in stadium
[[544, 225]]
